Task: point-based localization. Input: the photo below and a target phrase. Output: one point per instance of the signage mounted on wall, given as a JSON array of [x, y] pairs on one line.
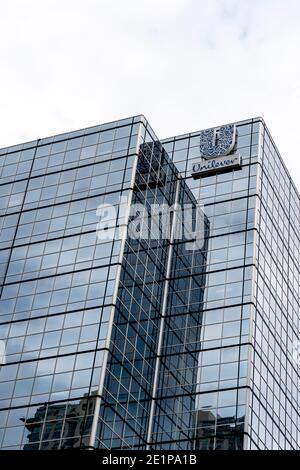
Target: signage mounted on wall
[[217, 151], [216, 164]]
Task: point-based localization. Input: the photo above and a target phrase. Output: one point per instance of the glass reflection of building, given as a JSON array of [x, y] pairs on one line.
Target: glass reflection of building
[[145, 343], [53, 423]]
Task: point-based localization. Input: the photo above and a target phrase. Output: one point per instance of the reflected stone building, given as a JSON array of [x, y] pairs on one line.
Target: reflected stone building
[[55, 422], [149, 342]]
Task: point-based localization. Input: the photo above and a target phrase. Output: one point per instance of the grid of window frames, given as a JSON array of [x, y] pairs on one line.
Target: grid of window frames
[[125, 413], [274, 421], [227, 314], [57, 280], [203, 388]]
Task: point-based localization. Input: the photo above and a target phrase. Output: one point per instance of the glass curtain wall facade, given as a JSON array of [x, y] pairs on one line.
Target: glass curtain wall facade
[[274, 414], [58, 281], [153, 343], [143, 343], [221, 384]]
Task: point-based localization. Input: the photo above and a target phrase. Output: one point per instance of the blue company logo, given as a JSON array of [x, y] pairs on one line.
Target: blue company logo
[[215, 147], [217, 142]]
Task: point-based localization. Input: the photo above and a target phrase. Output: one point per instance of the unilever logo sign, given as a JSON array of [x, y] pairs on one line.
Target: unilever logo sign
[[216, 147], [215, 143]]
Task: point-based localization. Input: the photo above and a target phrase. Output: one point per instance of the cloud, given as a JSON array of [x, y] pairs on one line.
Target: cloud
[[185, 64]]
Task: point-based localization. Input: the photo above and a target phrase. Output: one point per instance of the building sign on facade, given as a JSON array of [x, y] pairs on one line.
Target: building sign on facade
[[215, 164], [216, 147]]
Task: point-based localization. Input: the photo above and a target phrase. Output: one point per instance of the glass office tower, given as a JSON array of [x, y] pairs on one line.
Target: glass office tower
[[114, 341]]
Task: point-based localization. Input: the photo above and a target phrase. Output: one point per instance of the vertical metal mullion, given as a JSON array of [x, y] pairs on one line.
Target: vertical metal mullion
[[163, 316], [256, 238], [113, 308]]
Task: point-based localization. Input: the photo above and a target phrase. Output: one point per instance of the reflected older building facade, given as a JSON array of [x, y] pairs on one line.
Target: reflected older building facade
[[148, 342], [52, 423]]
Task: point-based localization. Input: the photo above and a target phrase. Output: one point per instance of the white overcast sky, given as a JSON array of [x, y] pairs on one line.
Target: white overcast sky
[[184, 64]]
